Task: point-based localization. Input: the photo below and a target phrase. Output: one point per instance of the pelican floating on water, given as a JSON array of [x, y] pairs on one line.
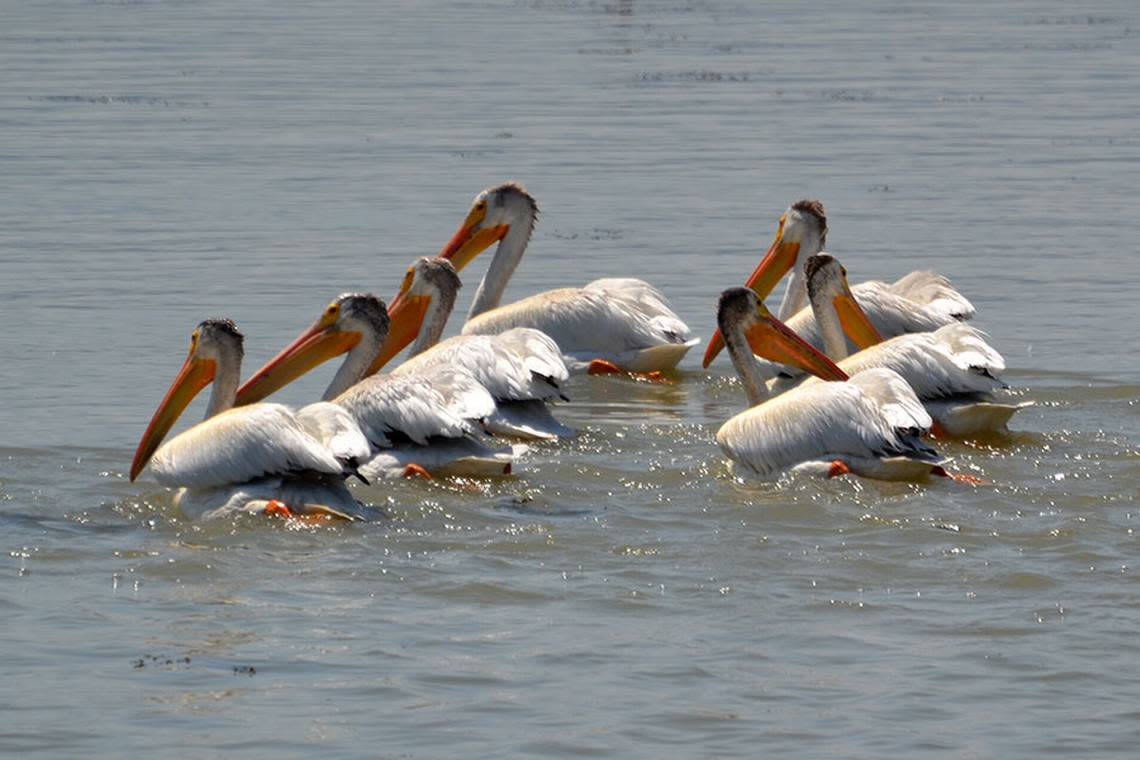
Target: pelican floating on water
[[260, 458], [614, 322], [918, 302], [521, 368], [952, 370], [869, 425], [418, 423]]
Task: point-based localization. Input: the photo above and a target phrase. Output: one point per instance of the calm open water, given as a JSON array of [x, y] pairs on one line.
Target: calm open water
[[163, 161]]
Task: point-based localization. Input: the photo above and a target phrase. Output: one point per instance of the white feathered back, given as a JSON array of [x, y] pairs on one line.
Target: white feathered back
[[241, 444]]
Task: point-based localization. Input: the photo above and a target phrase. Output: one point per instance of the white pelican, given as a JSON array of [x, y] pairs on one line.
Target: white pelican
[[869, 425], [521, 368], [261, 458], [423, 423], [952, 370], [610, 324], [918, 302]]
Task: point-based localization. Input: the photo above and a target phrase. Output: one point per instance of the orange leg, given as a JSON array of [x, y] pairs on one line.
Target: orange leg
[[278, 508], [960, 477], [606, 367], [414, 471], [838, 467]]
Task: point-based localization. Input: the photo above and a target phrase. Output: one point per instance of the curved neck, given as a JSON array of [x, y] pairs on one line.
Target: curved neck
[[355, 366], [795, 295], [226, 380], [827, 318], [746, 365], [507, 257], [442, 302]]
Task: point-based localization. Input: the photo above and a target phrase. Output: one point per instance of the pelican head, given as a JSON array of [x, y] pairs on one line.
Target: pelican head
[[430, 283], [749, 328], [354, 322], [494, 213], [215, 354], [827, 288], [802, 232]]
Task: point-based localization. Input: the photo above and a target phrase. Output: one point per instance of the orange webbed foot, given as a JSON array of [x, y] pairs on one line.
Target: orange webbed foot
[[606, 367], [278, 508], [416, 471], [838, 467], [960, 477]]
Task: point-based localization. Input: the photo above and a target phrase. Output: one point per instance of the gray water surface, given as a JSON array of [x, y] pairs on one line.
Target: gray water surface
[[164, 161]]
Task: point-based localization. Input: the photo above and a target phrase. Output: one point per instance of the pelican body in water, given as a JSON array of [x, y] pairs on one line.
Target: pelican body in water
[[260, 458], [522, 368], [869, 425], [613, 322], [425, 423], [952, 370], [918, 302]]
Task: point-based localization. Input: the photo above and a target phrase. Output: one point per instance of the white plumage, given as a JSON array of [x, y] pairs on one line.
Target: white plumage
[[621, 320], [872, 416], [871, 423], [244, 458], [242, 444], [953, 365], [624, 321], [522, 368]]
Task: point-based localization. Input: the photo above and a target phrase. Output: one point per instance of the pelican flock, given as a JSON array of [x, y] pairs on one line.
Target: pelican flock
[[841, 380]]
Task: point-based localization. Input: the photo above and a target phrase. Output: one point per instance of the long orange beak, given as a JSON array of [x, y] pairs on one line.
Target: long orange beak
[[312, 348], [854, 320], [780, 257], [406, 315], [195, 375], [470, 240], [771, 338]]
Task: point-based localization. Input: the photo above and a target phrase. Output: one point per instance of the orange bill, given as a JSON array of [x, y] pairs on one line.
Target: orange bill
[[195, 375], [780, 257], [312, 348], [772, 339], [467, 243], [405, 315], [855, 322]]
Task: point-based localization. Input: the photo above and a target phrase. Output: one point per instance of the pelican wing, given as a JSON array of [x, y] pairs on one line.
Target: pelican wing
[[332, 425], [934, 292], [539, 351], [242, 444], [435, 402], [615, 319], [827, 420], [954, 360], [890, 313], [496, 364]]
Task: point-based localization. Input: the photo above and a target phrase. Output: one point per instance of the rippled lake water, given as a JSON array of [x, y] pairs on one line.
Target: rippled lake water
[[163, 161]]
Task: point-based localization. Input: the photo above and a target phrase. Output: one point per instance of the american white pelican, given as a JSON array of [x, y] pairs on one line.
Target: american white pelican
[[918, 302], [869, 425], [422, 423], [521, 368], [614, 322], [952, 370], [261, 458]]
